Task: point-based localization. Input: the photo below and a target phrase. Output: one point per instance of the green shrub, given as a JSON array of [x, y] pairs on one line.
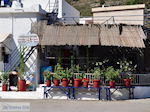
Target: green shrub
[[112, 74], [5, 77]]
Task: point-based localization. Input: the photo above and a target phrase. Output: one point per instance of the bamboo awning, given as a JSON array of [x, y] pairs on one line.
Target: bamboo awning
[[126, 36], [104, 35], [71, 35]]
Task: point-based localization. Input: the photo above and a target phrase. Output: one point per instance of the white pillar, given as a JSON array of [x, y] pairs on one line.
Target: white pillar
[[2, 3], [16, 4], [60, 8]]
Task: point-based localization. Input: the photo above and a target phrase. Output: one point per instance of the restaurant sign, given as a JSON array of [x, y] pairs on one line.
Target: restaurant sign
[[28, 40]]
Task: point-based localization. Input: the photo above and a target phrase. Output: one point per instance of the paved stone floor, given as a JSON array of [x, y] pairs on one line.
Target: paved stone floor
[[142, 105]]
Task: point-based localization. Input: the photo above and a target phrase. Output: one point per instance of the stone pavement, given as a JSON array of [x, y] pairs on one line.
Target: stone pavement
[[139, 105]]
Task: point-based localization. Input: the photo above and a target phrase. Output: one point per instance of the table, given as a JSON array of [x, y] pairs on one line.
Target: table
[[109, 93], [98, 88], [66, 92]]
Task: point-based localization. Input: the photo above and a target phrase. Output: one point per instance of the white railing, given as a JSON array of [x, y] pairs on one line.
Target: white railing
[[139, 79]]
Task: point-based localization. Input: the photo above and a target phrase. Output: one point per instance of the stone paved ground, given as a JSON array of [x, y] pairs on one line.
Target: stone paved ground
[[142, 105]]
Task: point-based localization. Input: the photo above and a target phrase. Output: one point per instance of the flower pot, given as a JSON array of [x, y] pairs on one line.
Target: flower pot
[[48, 82], [77, 82], [4, 87], [96, 83], [22, 85], [85, 84], [127, 82], [64, 82], [56, 82], [112, 84]]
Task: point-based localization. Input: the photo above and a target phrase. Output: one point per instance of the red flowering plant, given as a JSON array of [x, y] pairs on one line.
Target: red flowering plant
[[85, 80], [47, 74], [126, 69]]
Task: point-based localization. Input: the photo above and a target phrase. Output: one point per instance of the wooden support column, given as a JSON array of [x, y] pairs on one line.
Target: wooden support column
[[45, 56]]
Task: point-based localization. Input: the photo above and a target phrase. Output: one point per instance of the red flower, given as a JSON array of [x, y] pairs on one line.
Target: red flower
[[122, 74], [85, 79], [44, 72]]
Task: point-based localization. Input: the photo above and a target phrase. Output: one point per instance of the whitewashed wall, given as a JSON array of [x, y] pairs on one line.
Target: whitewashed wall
[[18, 22], [69, 13], [65, 10]]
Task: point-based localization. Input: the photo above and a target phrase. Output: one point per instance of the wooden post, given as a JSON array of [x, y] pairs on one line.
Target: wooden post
[[45, 56], [87, 58]]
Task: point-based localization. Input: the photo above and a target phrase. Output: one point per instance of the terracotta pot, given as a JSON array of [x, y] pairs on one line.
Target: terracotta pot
[[65, 82], [96, 83], [127, 82], [85, 84], [22, 85], [77, 82], [112, 84], [56, 82], [48, 82], [4, 87]]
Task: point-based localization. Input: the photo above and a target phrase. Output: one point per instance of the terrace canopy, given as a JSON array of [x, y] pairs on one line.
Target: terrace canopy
[[104, 35]]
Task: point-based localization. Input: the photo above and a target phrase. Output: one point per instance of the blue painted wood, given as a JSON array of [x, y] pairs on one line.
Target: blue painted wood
[[46, 91], [109, 93]]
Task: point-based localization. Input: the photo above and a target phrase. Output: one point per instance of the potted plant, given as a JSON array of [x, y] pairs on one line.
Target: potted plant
[[64, 78], [127, 78], [85, 82], [96, 77], [98, 72], [111, 76], [79, 76], [57, 74], [67, 75], [48, 75], [126, 71], [4, 78], [20, 69]]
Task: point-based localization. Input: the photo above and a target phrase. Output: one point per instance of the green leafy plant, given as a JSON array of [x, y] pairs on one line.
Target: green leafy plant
[[79, 76], [99, 70], [58, 72], [111, 74], [5, 77], [20, 69], [97, 73], [68, 73], [47, 75], [126, 69], [76, 69]]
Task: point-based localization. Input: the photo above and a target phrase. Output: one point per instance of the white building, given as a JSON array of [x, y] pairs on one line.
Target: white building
[[128, 14], [86, 20], [17, 19]]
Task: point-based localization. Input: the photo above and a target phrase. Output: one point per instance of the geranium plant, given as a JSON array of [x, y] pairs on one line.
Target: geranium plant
[[48, 75], [85, 80]]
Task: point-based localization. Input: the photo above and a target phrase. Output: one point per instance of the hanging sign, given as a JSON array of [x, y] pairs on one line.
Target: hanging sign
[[28, 40]]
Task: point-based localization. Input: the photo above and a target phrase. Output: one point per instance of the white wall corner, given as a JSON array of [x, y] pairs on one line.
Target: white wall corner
[[60, 8]]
